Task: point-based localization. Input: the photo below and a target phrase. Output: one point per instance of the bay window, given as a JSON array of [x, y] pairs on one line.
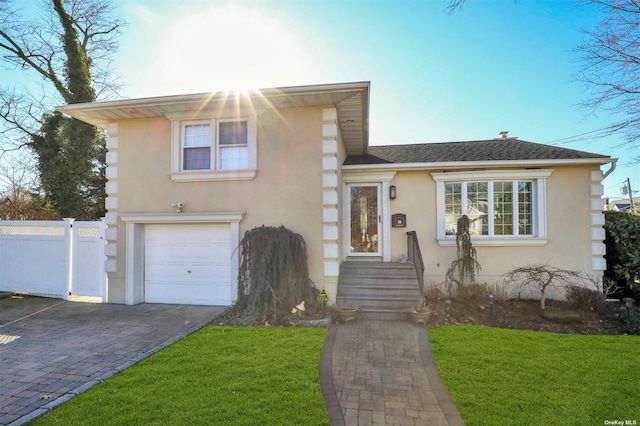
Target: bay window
[[502, 206]]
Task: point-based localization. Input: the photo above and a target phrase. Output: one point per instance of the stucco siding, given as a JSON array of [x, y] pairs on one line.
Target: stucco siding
[[286, 190], [568, 220]]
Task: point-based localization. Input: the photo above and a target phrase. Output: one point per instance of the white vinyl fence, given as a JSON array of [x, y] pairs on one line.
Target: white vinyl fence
[[53, 258]]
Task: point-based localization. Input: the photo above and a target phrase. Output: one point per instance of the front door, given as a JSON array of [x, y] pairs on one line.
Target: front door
[[365, 220]]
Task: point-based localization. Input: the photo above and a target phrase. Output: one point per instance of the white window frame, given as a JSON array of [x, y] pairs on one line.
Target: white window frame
[[538, 177], [178, 123]]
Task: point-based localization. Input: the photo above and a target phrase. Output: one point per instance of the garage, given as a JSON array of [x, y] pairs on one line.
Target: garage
[[188, 264]]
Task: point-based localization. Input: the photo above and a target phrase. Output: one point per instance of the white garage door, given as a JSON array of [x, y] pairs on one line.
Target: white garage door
[[188, 264]]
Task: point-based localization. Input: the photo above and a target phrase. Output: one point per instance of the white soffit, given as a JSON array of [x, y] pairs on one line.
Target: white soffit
[[350, 99]]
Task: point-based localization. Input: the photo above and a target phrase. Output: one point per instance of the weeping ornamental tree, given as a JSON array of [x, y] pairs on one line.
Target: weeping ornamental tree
[[274, 275], [463, 270]]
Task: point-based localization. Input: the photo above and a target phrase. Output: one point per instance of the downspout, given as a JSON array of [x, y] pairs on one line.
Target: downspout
[[613, 167]]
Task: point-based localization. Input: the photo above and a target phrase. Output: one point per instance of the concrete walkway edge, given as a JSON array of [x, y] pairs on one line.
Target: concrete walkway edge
[[331, 402]]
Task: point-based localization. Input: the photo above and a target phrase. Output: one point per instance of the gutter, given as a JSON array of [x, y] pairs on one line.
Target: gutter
[[614, 162]]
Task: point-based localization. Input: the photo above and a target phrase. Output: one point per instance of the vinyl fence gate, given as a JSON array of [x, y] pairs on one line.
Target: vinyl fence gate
[[58, 259]]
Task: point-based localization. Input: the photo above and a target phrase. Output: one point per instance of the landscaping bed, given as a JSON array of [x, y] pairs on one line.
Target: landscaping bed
[[525, 315]]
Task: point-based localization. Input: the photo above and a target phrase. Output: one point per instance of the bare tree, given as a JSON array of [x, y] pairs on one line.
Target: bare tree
[[542, 278], [35, 46], [68, 48], [610, 66], [19, 195]]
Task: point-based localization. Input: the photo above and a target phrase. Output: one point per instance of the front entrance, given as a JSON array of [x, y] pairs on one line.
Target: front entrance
[[365, 224]]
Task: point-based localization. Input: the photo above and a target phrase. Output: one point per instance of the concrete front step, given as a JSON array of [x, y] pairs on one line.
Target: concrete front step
[[383, 291], [379, 291], [372, 280], [357, 268], [395, 303], [382, 315]]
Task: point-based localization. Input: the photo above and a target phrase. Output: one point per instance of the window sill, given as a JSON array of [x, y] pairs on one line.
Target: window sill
[[212, 175], [497, 242]]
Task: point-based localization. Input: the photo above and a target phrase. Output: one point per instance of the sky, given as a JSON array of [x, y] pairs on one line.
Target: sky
[[492, 66]]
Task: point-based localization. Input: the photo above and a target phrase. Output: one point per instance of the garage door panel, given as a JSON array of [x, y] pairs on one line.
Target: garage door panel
[[158, 292], [159, 252], [188, 264]]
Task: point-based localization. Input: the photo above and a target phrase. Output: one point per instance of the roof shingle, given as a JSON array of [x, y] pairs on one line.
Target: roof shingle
[[509, 149]]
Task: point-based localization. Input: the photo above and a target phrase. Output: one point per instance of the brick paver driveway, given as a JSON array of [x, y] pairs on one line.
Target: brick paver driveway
[[51, 350]]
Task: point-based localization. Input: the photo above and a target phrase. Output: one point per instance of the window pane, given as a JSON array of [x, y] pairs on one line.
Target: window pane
[[503, 208], [197, 135], [478, 207], [234, 157], [233, 133], [452, 206], [364, 219], [525, 208], [197, 158]]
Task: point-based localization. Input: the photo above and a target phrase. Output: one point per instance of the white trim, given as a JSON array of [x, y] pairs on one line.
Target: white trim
[[597, 219], [383, 179], [214, 173], [494, 164], [204, 217], [598, 234], [598, 264], [364, 177], [492, 175], [496, 242]]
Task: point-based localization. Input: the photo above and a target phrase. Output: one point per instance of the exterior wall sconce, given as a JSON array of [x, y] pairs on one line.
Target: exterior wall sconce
[[178, 207], [392, 192], [491, 298]]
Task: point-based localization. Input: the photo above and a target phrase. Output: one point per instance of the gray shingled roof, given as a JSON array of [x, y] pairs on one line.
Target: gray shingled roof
[[488, 150]]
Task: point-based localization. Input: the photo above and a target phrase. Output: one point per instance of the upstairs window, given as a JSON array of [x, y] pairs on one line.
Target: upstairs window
[[214, 149], [197, 147], [233, 145]]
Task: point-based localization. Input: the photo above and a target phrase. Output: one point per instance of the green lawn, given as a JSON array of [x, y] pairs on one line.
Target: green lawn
[[219, 375], [512, 377]]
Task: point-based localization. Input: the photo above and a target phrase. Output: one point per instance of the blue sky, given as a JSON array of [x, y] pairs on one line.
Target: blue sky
[[494, 65]]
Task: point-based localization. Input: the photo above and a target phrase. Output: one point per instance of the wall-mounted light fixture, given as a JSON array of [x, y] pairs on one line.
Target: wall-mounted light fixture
[[392, 192], [178, 207]]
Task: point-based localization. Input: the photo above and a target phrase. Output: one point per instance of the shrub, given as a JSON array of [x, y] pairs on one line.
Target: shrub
[[584, 299], [473, 291], [623, 247]]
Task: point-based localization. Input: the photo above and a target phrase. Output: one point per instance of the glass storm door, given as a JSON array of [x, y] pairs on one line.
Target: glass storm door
[[365, 220]]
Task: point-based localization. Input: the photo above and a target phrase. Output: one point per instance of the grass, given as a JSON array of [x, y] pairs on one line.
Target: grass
[[219, 375], [499, 376]]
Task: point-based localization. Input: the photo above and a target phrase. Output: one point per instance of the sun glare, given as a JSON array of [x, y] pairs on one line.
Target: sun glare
[[230, 49]]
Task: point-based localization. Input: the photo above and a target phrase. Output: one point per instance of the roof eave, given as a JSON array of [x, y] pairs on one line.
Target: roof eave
[[476, 164], [351, 99]]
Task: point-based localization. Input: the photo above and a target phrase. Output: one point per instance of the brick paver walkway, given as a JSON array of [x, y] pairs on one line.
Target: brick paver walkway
[[52, 350], [382, 373]]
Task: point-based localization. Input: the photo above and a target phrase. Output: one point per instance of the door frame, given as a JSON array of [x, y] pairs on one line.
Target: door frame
[[382, 179]]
